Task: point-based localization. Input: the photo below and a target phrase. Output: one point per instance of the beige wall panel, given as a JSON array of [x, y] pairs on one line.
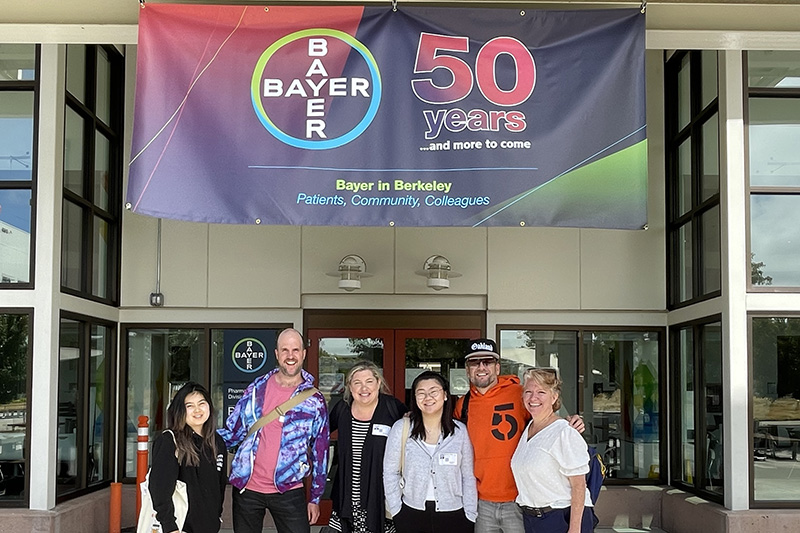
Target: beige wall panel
[[324, 248], [465, 248], [184, 263], [138, 259], [253, 266], [622, 269], [534, 268]]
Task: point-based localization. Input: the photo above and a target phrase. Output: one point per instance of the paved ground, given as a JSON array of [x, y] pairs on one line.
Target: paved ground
[[315, 529]]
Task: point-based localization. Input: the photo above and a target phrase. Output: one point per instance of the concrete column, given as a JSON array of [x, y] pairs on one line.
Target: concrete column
[[735, 272], [47, 294]]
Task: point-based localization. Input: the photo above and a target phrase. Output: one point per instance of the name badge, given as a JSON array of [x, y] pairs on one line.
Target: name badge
[[448, 459], [380, 430]]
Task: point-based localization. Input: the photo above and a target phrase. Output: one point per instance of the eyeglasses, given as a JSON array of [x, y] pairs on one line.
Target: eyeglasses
[[433, 393], [475, 363]]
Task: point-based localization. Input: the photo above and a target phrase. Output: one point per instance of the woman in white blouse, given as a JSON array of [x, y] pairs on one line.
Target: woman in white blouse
[[551, 462]]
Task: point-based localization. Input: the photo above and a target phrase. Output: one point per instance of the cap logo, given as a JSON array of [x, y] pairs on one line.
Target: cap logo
[[482, 346]]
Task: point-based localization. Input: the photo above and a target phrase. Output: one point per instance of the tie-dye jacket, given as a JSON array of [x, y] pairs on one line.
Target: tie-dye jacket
[[305, 431]]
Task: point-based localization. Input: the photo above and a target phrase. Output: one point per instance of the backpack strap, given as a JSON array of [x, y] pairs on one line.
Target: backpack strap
[[283, 408], [465, 408]]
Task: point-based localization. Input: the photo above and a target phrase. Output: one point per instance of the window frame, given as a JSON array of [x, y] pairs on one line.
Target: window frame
[[753, 503], [90, 211], [124, 362], [675, 136], [581, 367], [699, 407], [33, 86], [777, 93], [82, 408], [24, 502]]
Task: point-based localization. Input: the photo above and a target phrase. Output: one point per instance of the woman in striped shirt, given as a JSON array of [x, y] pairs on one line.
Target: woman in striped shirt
[[363, 420]]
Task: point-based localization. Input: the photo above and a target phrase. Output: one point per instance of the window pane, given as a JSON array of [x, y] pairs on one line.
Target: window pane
[[684, 262], [624, 418], [775, 238], [440, 355], [17, 62], [523, 349], [774, 135], [684, 94], [69, 422], [776, 393], [73, 152], [712, 387], [686, 402], [16, 135], [15, 236], [99, 359], [102, 164], [708, 60], [160, 361], [14, 336], [103, 98], [710, 178], [100, 258], [684, 192], [711, 250], [773, 68], [76, 71], [72, 246]]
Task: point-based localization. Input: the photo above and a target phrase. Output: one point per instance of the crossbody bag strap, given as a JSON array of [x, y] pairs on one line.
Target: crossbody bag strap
[[286, 406], [404, 440]]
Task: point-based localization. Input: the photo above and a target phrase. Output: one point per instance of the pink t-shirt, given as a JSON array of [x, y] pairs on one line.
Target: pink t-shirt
[[269, 441]]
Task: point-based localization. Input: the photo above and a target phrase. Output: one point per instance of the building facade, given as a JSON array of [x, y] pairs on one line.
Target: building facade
[[678, 343]]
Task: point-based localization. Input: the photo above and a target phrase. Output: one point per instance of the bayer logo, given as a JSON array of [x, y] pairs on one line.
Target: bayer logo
[[249, 355]]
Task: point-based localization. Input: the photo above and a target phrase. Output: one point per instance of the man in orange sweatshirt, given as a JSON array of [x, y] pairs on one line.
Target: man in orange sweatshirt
[[495, 419]]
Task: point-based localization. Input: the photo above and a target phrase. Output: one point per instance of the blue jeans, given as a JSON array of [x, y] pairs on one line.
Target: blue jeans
[[289, 511], [499, 517]]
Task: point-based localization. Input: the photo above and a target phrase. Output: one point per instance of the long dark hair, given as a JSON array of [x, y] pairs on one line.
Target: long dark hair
[[417, 426], [176, 421]]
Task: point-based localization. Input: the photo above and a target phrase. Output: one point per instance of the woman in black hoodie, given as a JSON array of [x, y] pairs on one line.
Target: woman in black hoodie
[[196, 455]]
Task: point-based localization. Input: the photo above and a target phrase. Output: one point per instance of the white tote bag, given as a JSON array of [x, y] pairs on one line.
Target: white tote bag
[[147, 515]]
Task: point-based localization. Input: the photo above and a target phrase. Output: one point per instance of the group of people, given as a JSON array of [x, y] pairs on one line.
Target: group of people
[[497, 460]]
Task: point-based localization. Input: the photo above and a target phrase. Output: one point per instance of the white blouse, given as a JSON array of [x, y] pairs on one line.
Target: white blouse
[[542, 465]]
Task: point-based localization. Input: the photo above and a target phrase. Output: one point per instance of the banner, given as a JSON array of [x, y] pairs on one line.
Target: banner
[[423, 116]]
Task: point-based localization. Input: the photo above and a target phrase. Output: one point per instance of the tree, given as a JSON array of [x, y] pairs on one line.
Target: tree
[[757, 272], [13, 356]]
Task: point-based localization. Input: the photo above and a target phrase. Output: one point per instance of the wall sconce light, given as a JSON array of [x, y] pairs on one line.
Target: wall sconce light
[[351, 269], [438, 271]]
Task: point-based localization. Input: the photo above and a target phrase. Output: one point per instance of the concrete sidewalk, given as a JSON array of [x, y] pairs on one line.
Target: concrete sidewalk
[[315, 529]]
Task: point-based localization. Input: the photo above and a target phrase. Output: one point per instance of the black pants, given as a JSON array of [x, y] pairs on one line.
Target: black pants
[[557, 521], [410, 520], [289, 511]]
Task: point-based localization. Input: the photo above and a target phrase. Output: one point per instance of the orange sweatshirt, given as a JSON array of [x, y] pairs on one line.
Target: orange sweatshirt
[[495, 422]]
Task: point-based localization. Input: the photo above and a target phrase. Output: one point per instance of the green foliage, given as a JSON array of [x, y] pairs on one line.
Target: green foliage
[[13, 356]]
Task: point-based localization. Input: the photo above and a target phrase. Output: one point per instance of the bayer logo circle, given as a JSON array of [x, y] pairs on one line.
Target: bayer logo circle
[[249, 355]]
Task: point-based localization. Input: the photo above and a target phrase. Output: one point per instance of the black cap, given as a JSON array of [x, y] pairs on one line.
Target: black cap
[[481, 348]]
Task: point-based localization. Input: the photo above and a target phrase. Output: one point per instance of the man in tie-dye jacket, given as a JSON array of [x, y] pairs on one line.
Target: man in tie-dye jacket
[[268, 469]]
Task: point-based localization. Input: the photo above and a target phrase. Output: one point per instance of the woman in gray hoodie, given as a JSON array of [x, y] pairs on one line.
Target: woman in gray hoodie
[[433, 490]]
